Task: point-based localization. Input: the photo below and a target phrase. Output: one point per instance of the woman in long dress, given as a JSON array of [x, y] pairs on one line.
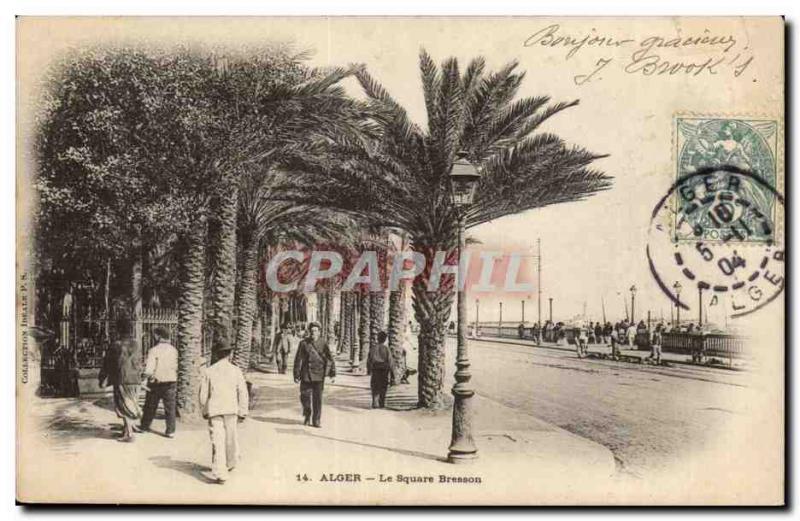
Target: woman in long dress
[[122, 369]]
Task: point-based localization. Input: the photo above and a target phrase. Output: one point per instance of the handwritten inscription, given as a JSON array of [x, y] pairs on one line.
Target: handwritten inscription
[[652, 55]]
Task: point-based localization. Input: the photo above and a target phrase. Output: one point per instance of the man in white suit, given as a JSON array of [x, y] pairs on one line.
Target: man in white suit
[[224, 401]]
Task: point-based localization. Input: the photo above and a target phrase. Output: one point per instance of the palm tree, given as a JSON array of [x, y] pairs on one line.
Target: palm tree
[[263, 219], [190, 319], [397, 317], [276, 107], [364, 324], [403, 180], [348, 325]]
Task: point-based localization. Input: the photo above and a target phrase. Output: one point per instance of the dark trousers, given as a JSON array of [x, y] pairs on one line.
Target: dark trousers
[[158, 392], [280, 361], [379, 382], [311, 400]]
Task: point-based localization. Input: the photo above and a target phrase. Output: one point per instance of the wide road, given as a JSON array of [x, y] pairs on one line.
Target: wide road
[[646, 415]]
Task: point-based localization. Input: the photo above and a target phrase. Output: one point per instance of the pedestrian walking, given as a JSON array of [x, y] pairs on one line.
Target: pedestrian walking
[[224, 401], [312, 363], [656, 339], [547, 332], [607, 329], [698, 343], [378, 363], [122, 370], [582, 338], [614, 337], [598, 333], [282, 347], [631, 333], [161, 373]]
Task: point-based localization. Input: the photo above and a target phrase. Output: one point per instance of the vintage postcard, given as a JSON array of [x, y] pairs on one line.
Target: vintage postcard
[[400, 261]]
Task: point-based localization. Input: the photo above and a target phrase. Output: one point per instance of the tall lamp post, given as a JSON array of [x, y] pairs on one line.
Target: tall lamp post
[[677, 287], [700, 307], [633, 304], [463, 177]]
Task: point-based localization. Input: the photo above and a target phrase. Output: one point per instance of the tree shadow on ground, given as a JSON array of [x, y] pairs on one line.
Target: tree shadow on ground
[[64, 431], [276, 419], [404, 452], [190, 468], [359, 398]]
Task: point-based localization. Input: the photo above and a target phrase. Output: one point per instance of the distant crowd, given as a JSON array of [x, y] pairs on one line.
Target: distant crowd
[[614, 335]]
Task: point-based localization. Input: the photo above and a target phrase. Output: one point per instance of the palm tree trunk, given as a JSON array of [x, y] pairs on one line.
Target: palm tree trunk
[[377, 317], [190, 321], [352, 303], [274, 323], [224, 262], [352, 329], [347, 309], [431, 309], [396, 320], [107, 302], [136, 294], [363, 326], [246, 304], [327, 315], [340, 340]]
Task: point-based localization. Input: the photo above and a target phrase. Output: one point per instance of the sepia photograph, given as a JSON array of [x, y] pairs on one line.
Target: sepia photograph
[[407, 261]]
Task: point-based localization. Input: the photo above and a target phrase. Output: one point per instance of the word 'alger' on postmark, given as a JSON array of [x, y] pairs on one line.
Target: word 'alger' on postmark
[[741, 265]]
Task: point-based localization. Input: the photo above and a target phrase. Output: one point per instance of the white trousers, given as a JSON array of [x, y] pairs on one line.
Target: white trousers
[[224, 444]]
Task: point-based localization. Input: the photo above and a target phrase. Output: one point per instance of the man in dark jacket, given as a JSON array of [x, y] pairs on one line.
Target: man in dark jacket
[[312, 363]]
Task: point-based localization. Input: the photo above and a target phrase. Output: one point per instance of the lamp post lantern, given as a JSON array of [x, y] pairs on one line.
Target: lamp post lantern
[[633, 304], [677, 287], [463, 177]]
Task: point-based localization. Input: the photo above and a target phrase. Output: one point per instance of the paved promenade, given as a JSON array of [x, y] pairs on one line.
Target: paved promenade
[[393, 456]]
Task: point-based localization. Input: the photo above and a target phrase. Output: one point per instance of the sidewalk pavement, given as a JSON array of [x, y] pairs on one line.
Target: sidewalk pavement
[[632, 355], [521, 458]]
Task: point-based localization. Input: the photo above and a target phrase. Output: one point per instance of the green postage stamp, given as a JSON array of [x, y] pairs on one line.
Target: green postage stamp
[[747, 144]]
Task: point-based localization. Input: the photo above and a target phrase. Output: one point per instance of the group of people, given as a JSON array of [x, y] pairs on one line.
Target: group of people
[[549, 332], [622, 333], [618, 334], [122, 369], [314, 361], [223, 394]]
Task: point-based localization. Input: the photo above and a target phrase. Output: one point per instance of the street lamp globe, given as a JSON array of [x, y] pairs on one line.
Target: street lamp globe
[[677, 287], [633, 289], [463, 177]]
